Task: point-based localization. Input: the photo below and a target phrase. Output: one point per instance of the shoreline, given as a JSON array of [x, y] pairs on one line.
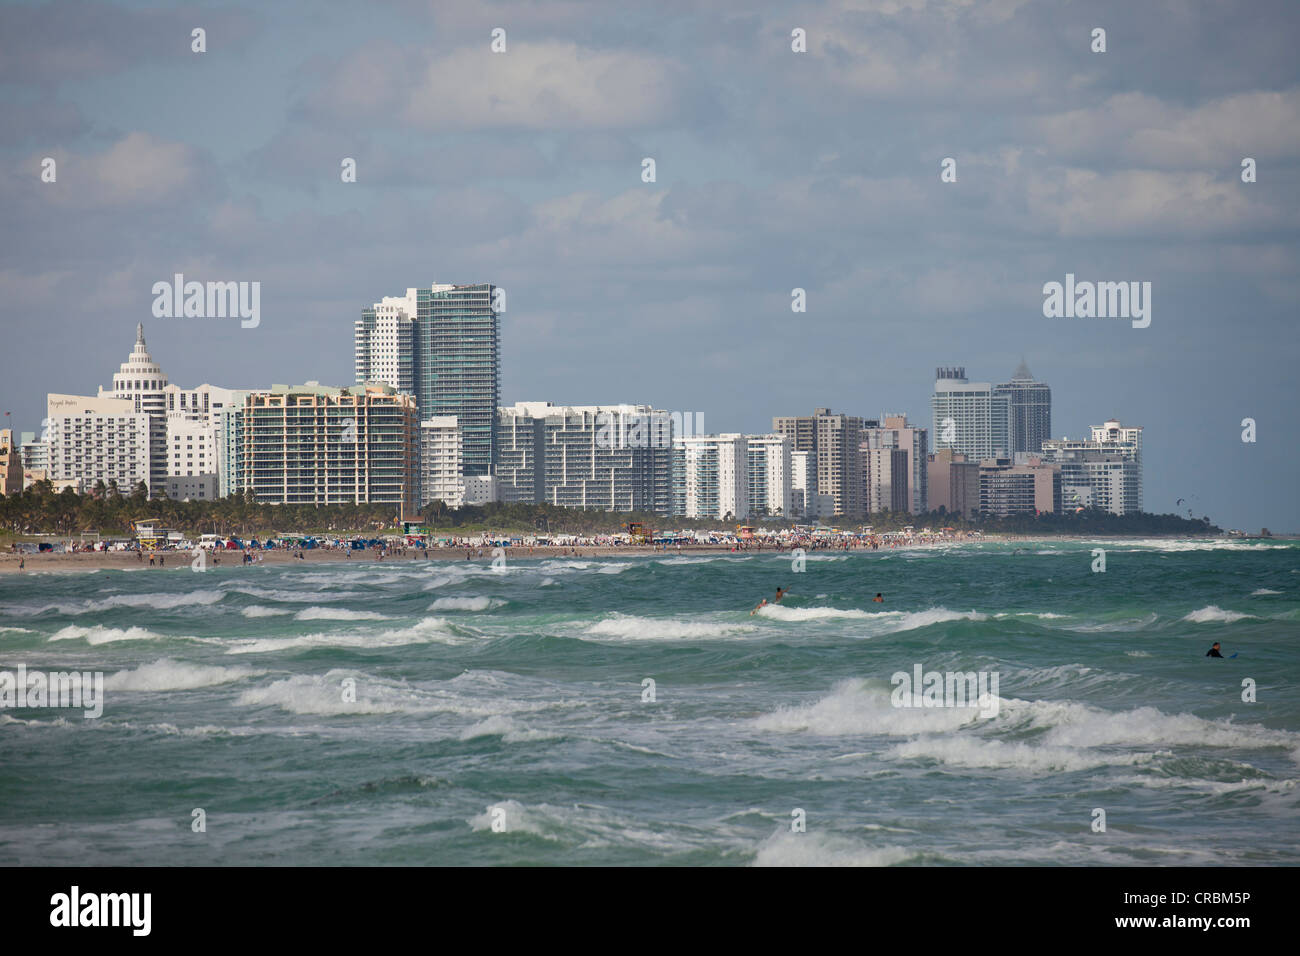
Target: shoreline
[[128, 560]]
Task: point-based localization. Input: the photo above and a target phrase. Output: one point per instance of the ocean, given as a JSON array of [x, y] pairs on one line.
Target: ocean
[[448, 713]]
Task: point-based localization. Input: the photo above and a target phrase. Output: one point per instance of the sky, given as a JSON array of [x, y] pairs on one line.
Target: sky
[[774, 170]]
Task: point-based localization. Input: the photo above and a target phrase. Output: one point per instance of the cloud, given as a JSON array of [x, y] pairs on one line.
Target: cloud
[[137, 170], [547, 85], [1139, 129]]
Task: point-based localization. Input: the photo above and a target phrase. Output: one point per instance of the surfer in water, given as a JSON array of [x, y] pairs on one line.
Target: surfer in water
[[1213, 651], [780, 593], [878, 599]]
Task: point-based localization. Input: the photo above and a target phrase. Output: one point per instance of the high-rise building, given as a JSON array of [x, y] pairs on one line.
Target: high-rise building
[[141, 381], [887, 485], [521, 451], [908, 485], [1030, 409], [970, 417], [715, 476], [834, 442], [458, 365], [312, 444], [195, 438], [1103, 472], [441, 475], [1008, 488], [36, 457], [605, 457], [954, 483], [770, 475], [97, 438], [803, 483], [11, 464], [442, 345], [384, 343]]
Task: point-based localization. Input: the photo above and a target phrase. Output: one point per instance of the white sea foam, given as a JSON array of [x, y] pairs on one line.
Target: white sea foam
[[324, 695], [506, 727], [158, 602], [1215, 544], [1262, 591], [429, 630], [856, 707], [167, 674], [977, 752], [631, 628], [259, 610], [784, 848], [337, 614], [874, 622], [16, 630], [516, 819], [1214, 613], [1137, 653], [547, 582], [108, 635], [780, 612], [465, 604]]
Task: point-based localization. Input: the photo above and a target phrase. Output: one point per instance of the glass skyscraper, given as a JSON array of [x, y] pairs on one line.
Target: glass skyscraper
[[1030, 410], [440, 344], [458, 365]]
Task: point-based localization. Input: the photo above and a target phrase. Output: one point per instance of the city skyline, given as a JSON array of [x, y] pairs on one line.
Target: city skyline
[[775, 171], [607, 457]]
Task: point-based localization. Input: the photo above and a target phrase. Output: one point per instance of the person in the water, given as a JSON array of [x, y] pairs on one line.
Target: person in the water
[[1213, 651], [780, 593], [878, 599]]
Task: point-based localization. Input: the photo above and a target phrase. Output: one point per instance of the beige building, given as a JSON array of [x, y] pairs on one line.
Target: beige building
[[11, 464], [1012, 489], [313, 444]]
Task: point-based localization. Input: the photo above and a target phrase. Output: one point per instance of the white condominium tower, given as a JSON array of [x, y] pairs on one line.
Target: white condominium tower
[[141, 381], [384, 342], [714, 475], [1104, 472], [93, 439], [970, 417], [442, 476], [771, 479], [604, 457]]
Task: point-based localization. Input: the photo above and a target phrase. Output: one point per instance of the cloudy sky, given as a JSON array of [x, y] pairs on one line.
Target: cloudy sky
[[774, 170]]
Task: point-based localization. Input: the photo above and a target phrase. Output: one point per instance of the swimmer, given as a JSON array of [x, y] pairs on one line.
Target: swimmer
[[878, 599], [1213, 651]]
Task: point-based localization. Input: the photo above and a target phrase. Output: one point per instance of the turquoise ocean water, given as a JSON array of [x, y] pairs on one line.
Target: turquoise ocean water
[[515, 698]]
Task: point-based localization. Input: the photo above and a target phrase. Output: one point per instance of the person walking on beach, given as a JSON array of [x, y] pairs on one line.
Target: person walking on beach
[[22, 563]]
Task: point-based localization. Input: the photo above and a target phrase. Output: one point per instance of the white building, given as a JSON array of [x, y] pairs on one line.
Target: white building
[[94, 438], [803, 482], [714, 476], [1105, 471], [142, 382], [442, 475], [384, 342], [970, 417], [606, 457], [481, 489], [771, 489]]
